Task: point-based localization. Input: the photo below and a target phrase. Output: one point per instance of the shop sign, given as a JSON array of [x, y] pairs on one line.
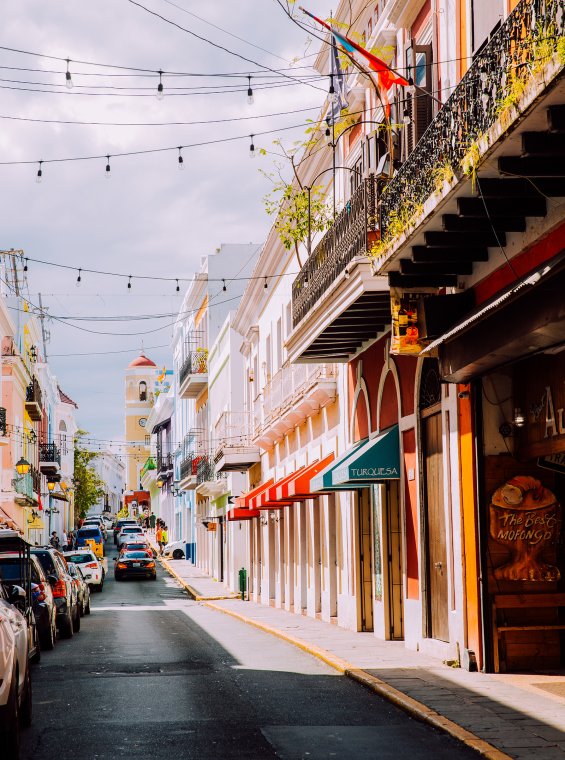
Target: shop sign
[[525, 517], [407, 320], [212, 527], [555, 462], [539, 387]]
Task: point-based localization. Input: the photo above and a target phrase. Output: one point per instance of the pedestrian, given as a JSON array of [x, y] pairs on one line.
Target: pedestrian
[[70, 541], [159, 538], [63, 539], [54, 540], [152, 521], [164, 537]]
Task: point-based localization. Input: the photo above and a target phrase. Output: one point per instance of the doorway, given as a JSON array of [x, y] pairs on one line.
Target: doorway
[[365, 559], [395, 562]]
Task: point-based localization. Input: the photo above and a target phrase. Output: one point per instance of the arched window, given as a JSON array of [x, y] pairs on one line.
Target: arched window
[[430, 385], [143, 391]]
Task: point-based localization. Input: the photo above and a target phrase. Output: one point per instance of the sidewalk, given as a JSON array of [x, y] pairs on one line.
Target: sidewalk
[[501, 716]]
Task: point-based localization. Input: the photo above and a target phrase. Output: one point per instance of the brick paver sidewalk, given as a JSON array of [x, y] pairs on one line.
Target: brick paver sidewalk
[[513, 713]]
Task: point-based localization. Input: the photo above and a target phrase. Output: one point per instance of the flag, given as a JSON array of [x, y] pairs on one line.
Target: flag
[[340, 100], [385, 75]]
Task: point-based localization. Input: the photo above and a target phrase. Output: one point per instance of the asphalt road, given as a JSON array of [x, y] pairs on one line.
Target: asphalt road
[[154, 675]]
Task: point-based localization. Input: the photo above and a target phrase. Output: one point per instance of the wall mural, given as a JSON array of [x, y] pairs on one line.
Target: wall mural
[[525, 517]]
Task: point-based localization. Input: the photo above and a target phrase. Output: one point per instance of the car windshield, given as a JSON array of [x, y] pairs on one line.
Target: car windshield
[[132, 530], [46, 562], [133, 547], [92, 533], [80, 559], [10, 569], [136, 555]]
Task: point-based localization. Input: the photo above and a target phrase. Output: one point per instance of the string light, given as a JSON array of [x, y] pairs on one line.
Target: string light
[[160, 90], [406, 117], [265, 285], [250, 98], [332, 94], [108, 168], [181, 159], [25, 265], [68, 80], [129, 282], [251, 148], [178, 287], [224, 286], [39, 175], [79, 278]]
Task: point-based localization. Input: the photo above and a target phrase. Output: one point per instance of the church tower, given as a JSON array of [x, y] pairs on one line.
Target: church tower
[[139, 381]]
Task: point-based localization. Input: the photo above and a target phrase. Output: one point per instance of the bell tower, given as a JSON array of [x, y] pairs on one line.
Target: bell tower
[[139, 382]]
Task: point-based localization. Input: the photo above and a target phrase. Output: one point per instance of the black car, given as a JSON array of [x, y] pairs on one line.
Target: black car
[[64, 590], [135, 565], [43, 604]]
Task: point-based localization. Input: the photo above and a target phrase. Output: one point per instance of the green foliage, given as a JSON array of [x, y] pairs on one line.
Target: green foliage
[[399, 223], [89, 488], [561, 50], [290, 204]]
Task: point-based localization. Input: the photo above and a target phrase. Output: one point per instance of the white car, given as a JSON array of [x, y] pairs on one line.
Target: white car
[[130, 531], [175, 549], [15, 677], [90, 565]]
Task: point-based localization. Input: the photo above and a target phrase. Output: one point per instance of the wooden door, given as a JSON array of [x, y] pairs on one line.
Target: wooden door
[[365, 559], [438, 622], [395, 563]]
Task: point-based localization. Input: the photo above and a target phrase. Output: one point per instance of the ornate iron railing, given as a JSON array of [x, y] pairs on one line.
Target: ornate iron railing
[[348, 237], [516, 52], [195, 363], [48, 452], [189, 466], [33, 392], [205, 470], [164, 462]]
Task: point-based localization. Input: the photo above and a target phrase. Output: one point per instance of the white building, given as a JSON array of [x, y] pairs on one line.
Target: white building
[[111, 470]]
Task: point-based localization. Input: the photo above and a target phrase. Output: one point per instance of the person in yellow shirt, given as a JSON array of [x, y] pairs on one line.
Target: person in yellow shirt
[[164, 537]]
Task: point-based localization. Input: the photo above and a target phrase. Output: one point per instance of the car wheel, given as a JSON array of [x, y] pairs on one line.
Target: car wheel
[[178, 554], [153, 577], [10, 738], [37, 656], [76, 620], [66, 627], [100, 587], [47, 641], [26, 706]]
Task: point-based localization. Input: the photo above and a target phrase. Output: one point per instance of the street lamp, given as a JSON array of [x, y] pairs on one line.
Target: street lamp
[[22, 466], [51, 485], [160, 483]]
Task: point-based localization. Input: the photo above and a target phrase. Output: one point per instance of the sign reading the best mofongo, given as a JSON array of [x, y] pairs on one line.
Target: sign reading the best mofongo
[[539, 393]]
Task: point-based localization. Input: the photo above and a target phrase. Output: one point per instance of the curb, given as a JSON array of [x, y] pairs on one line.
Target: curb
[[412, 707]]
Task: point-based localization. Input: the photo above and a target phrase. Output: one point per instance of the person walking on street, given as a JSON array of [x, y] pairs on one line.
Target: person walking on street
[[152, 521], [159, 538], [54, 540], [164, 537]]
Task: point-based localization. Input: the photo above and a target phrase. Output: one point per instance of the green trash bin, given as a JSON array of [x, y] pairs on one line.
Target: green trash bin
[[243, 583]]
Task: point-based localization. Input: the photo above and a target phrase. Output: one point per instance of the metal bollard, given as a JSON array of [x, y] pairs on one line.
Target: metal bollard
[[243, 583]]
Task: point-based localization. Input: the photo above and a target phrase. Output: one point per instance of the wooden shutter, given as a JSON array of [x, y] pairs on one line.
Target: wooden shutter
[[419, 105]]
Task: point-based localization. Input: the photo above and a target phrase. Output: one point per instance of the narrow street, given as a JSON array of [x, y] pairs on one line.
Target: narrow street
[[155, 675]]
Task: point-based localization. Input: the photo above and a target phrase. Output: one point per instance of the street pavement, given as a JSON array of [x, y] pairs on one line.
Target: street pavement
[[155, 675]]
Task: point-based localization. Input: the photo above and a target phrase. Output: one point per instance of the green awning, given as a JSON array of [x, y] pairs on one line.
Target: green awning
[[323, 480], [377, 459]]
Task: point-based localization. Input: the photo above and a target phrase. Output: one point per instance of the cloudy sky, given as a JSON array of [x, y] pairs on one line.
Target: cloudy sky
[[150, 218]]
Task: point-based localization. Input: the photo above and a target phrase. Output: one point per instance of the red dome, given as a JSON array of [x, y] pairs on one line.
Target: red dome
[[142, 361]]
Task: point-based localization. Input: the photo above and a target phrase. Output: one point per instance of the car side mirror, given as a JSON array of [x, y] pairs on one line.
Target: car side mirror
[[52, 579], [16, 594]]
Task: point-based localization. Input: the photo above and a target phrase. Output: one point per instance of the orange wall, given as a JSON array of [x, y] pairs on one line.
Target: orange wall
[[411, 502]]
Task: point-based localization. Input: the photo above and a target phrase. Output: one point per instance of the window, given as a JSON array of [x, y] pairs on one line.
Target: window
[[63, 437], [268, 359], [143, 391], [419, 106], [356, 175], [279, 343]]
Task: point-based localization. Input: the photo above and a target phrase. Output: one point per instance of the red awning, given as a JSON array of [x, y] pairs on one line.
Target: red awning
[[237, 513], [298, 488], [245, 500], [268, 499]]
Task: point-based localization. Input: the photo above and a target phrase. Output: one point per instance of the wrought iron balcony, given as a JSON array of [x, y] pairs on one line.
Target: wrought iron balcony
[[28, 486], [233, 447], [193, 375], [33, 403], [205, 470], [351, 235], [515, 54], [164, 463], [49, 458], [189, 471]]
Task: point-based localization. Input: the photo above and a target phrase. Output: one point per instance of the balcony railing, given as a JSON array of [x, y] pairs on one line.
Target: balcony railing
[[286, 388], [3, 426], [233, 429], [195, 363], [189, 466], [351, 235], [28, 485], [513, 55], [48, 452], [164, 462], [205, 470]]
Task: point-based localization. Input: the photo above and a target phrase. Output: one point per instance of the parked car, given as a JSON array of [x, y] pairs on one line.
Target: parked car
[[12, 572], [15, 675], [90, 536], [96, 522], [121, 523], [176, 549], [91, 565], [83, 591], [138, 564], [64, 590], [128, 532]]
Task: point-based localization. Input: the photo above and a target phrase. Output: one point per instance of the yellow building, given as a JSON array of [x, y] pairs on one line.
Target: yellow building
[[139, 397]]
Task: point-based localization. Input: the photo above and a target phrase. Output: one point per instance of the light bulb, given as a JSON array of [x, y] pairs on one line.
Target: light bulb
[[39, 175], [411, 89], [160, 93], [252, 148], [250, 98], [181, 160], [68, 80], [108, 169], [406, 117]]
